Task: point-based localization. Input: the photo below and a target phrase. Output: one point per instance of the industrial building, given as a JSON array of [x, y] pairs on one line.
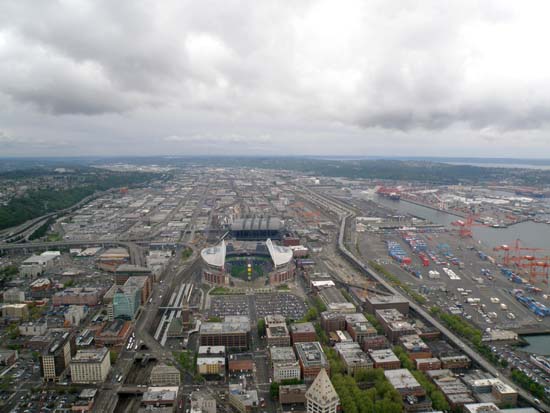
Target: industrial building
[[425, 364], [415, 347], [358, 327], [373, 302]]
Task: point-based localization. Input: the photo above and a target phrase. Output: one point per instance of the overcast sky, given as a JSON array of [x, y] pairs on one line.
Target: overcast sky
[[464, 78]]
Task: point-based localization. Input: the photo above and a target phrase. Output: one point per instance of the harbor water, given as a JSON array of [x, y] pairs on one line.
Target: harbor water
[[530, 233]]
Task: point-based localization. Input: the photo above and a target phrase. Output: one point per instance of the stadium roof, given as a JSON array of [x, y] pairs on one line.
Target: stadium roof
[[214, 256], [257, 224], [279, 255]]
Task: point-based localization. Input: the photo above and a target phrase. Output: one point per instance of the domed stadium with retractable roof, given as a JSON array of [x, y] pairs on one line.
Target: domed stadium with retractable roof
[[240, 262]]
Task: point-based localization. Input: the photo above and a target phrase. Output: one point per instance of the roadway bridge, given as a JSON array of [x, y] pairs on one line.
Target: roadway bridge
[[132, 389]]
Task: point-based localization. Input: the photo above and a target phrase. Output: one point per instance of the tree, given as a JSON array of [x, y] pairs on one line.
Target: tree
[[261, 327]]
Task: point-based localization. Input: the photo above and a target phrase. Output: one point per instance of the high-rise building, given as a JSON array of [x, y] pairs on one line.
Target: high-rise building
[[126, 302], [55, 357], [90, 366], [321, 397]]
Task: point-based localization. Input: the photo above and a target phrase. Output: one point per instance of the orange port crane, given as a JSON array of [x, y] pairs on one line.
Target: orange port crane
[[467, 224], [513, 254], [537, 268]]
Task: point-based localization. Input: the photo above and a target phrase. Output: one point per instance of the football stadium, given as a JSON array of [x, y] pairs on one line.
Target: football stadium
[[235, 261]]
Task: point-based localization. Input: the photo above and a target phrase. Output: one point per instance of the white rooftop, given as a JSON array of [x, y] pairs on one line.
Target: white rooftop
[[214, 256], [279, 254]]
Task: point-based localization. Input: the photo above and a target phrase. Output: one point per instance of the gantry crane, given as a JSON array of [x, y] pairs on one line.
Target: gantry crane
[[514, 254]]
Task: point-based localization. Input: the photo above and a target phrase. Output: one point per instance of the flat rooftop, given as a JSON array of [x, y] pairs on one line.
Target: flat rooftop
[[90, 355], [230, 325], [383, 356], [402, 379], [302, 328], [311, 354], [279, 354]]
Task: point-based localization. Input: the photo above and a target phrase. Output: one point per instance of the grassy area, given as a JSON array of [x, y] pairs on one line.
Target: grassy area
[[368, 391], [186, 254], [529, 384], [438, 399], [225, 291], [54, 237], [283, 287], [464, 329]]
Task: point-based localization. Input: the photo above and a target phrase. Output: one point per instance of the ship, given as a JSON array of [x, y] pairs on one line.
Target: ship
[[541, 362]]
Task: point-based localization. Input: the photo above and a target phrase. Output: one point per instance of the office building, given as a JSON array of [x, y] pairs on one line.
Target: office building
[[277, 336], [90, 366], [384, 359], [286, 370], [312, 359], [56, 355], [394, 324], [202, 402], [163, 375], [302, 333], [353, 357], [233, 332], [412, 393], [321, 397], [244, 401], [126, 302]]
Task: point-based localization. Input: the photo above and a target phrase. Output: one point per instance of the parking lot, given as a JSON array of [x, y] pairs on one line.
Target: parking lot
[[285, 304]]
